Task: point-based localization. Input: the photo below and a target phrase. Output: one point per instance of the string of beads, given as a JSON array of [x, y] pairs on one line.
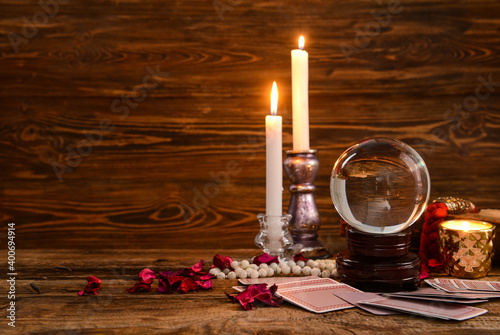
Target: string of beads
[[244, 269]]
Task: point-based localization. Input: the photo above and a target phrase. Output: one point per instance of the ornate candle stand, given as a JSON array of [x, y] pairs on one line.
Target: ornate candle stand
[[302, 168]]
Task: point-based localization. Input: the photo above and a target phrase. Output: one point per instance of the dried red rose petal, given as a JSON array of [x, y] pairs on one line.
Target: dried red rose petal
[[184, 280], [186, 285], [206, 276], [424, 273], [146, 278], [140, 286], [164, 286], [300, 257], [93, 285], [172, 280], [265, 258], [206, 284], [254, 293], [197, 267], [166, 274], [222, 262]]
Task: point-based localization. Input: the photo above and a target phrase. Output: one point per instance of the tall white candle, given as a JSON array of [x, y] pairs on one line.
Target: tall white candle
[[300, 97], [274, 163]]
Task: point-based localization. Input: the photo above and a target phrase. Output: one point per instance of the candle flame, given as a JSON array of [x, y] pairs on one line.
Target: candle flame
[[274, 99], [301, 42], [466, 225]]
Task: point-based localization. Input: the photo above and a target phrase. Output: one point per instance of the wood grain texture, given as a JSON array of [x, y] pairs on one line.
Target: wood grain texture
[[59, 309], [181, 162]]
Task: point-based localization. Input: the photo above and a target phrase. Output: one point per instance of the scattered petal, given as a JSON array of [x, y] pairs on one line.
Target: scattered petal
[[146, 278], [140, 286], [93, 285], [300, 257], [165, 274], [186, 285], [265, 258], [197, 267], [254, 293], [424, 273], [172, 280], [222, 262], [164, 286], [184, 280], [206, 277], [207, 284]]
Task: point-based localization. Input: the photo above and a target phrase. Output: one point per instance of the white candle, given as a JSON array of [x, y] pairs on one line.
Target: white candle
[[300, 97], [274, 163]]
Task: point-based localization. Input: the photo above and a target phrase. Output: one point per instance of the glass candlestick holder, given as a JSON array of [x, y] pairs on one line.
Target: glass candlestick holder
[[274, 237]]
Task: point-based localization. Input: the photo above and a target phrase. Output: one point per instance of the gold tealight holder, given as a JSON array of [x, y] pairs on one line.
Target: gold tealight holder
[[466, 247]]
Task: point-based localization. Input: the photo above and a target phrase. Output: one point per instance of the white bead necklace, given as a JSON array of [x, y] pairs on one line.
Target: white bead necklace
[[325, 268]]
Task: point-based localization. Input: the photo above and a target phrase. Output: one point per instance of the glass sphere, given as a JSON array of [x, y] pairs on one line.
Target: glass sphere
[[380, 186]]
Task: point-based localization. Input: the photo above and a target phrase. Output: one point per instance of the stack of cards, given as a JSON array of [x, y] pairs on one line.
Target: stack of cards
[[441, 310], [432, 294], [446, 298], [311, 293], [491, 288]]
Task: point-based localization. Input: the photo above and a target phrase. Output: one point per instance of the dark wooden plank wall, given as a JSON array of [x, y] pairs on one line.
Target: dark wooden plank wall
[[139, 185]]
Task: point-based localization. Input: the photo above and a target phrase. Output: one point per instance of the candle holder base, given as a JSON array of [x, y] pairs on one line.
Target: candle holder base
[[379, 262], [310, 246], [274, 237], [375, 274], [302, 168]]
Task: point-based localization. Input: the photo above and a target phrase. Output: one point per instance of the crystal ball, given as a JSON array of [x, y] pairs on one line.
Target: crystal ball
[[380, 186]]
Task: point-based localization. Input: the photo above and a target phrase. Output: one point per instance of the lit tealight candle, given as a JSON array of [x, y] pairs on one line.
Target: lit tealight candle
[[466, 225], [466, 247]]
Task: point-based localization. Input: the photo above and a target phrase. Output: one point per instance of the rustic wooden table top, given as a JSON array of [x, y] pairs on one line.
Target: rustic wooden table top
[[58, 309]]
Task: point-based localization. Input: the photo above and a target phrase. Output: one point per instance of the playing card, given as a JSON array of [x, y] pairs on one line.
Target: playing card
[[355, 297], [479, 285], [432, 292], [317, 299], [314, 281], [274, 280], [290, 282], [427, 308], [447, 286], [464, 286], [441, 299]]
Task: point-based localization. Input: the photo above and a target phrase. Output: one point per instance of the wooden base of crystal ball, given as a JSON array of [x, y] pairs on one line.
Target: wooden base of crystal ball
[[376, 262]]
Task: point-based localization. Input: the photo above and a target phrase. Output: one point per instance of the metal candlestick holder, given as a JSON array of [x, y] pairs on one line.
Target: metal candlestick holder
[[302, 168], [274, 236]]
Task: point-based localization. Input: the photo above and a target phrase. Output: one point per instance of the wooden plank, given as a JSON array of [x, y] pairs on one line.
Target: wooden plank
[[108, 199], [91, 54], [58, 307]]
